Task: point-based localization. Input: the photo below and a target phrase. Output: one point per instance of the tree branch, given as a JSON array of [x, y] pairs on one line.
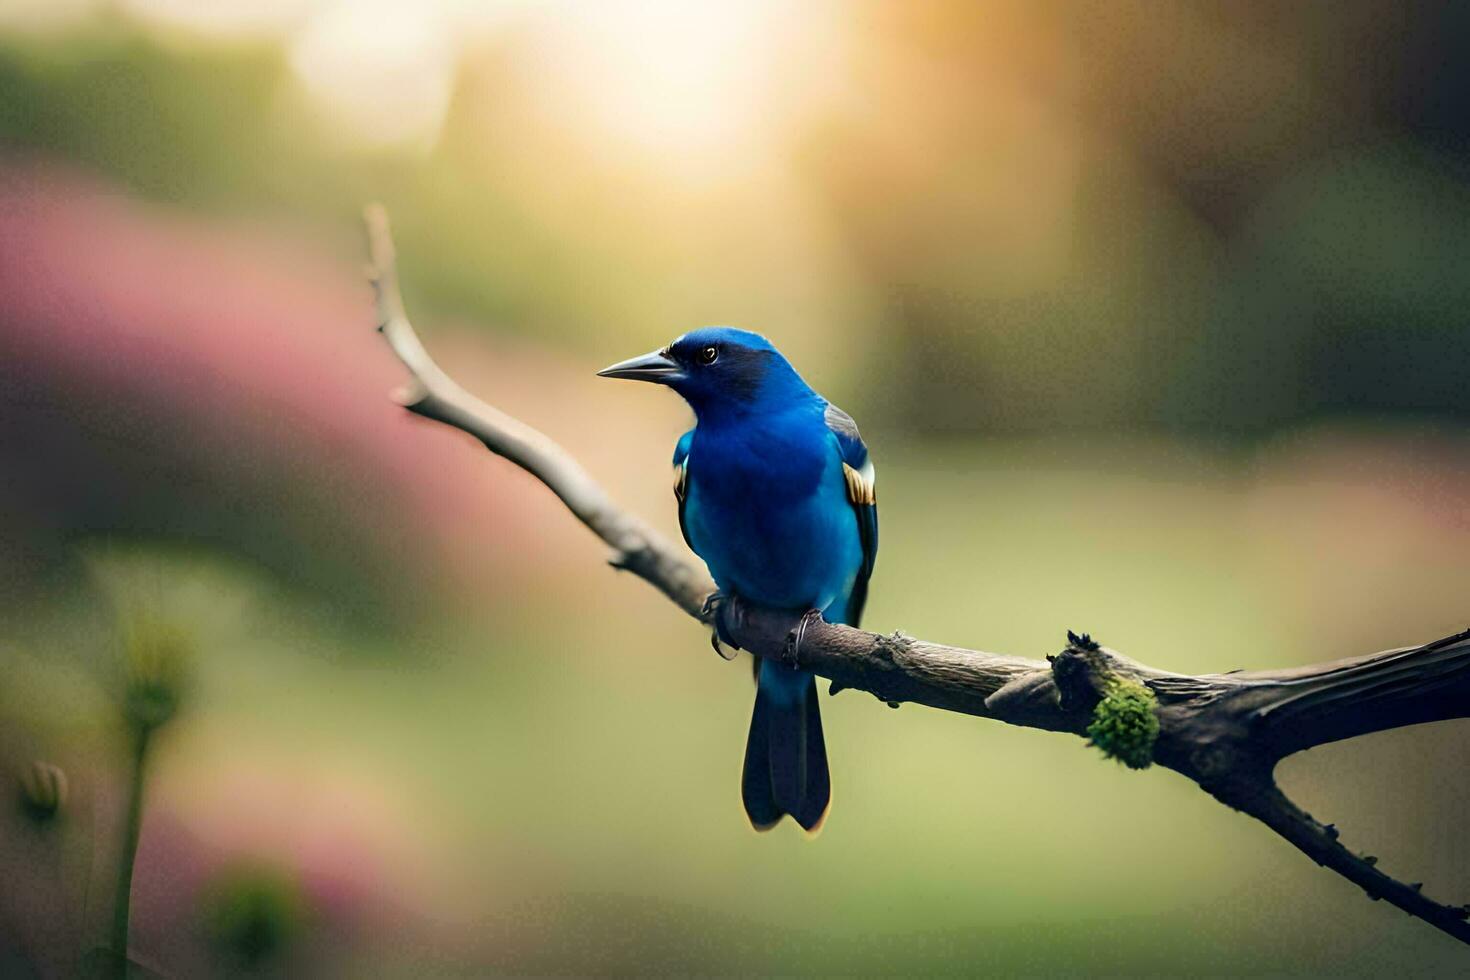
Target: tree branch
[[434, 395], [1226, 732]]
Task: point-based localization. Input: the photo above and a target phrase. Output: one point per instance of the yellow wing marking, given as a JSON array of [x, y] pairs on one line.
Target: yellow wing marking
[[861, 485]]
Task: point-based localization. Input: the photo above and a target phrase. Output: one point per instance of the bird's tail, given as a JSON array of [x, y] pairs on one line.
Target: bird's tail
[[785, 756]]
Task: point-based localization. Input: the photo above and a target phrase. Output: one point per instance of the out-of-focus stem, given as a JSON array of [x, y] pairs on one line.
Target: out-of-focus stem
[[123, 901]]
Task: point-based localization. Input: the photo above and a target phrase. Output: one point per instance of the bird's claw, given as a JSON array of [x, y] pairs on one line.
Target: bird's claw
[[791, 653], [724, 652], [722, 609]]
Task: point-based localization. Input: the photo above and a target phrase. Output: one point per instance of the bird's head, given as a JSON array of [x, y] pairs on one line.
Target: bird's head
[[718, 370]]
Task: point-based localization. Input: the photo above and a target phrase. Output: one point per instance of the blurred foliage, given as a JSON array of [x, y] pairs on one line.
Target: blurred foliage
[[253, 914], [1043, 236]]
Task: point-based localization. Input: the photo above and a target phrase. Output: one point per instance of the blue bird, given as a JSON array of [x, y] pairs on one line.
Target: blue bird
[[775, 493]]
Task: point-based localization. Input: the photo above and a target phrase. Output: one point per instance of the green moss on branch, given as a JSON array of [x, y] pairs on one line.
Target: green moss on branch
[[1124, 725]]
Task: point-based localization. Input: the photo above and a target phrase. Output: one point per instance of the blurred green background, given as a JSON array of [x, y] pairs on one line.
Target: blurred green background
[[1155, 316]]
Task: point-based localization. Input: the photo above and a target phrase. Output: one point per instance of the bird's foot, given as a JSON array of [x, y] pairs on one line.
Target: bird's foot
[[726, 653], [791, 653], [722, 609]]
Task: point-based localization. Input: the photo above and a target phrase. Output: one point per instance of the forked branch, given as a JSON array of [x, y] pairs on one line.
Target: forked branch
[[1226, 732]]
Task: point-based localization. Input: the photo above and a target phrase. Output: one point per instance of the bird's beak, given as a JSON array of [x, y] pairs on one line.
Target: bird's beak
[[655, 366]]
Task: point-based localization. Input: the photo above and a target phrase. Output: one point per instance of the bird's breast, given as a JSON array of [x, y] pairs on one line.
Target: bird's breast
[[774, 527]]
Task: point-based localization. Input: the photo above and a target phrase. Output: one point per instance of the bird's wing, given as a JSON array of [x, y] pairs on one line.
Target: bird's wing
[[681, 480], [858, 469]]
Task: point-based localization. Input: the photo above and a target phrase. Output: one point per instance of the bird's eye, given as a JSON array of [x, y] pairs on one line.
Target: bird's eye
[[708, 355]]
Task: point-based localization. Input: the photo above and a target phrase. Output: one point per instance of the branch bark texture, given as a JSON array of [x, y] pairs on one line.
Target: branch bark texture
[[1226, 732]]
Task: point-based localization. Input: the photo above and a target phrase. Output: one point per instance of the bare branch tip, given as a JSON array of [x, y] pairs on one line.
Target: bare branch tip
[[375, 216], [380, 241], [408, 395]]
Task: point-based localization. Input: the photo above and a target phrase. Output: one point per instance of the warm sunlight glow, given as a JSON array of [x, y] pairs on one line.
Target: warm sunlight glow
[[383, 71], [683, 80], [692, 89]]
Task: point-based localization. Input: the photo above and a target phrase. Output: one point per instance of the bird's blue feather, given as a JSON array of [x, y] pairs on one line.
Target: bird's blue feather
[[767, 508], [681, 448]]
